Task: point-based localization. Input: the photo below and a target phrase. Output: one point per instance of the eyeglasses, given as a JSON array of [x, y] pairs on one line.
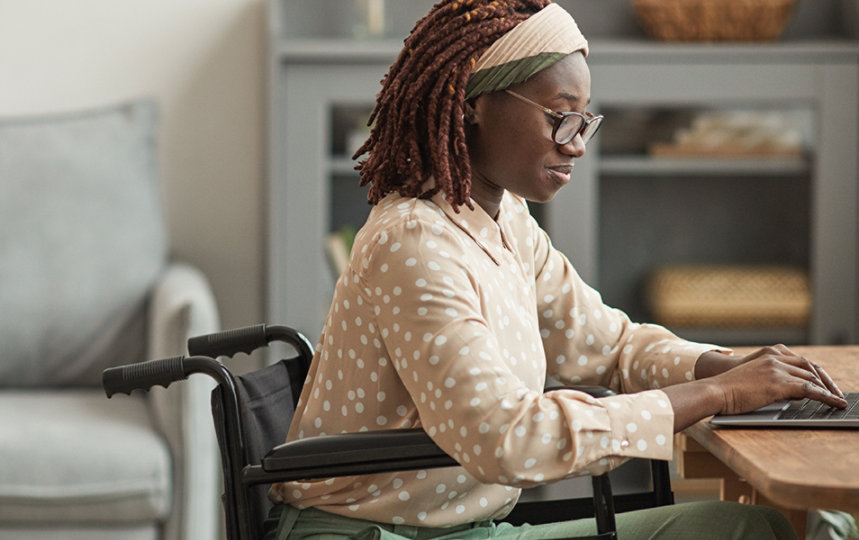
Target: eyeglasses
[[568, 124]]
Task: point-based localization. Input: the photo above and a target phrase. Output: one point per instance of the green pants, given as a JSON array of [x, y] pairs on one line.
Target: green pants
[[696, 521]]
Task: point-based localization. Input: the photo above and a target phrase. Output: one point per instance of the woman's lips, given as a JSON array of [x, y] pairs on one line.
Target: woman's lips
[[561, 173]]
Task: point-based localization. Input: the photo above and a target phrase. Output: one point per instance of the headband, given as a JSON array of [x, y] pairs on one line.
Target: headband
[[531, 46]]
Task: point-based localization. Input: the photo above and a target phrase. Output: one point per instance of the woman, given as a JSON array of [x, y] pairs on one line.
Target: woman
[[455, 307]]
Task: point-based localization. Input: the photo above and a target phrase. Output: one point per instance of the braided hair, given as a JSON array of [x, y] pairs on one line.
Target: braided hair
[[419, 129]]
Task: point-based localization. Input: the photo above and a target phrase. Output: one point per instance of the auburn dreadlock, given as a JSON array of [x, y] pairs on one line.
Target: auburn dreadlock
[[419, 129]]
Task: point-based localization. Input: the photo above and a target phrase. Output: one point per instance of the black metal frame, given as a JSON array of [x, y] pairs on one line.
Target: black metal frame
[[317, 457]]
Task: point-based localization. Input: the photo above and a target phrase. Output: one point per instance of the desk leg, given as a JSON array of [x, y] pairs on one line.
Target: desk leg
[[797, 518], [693, 461]]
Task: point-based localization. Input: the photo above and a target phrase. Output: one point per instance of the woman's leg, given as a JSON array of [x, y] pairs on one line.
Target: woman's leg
[[710, 520]]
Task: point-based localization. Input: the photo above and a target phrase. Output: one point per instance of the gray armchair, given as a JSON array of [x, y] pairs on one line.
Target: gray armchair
[[86, 283]]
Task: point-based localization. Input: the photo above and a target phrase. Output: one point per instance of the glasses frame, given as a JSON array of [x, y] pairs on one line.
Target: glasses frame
[[587, 120]]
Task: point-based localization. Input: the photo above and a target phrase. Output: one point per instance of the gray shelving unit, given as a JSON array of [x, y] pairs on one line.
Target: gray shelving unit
[[807, 206]]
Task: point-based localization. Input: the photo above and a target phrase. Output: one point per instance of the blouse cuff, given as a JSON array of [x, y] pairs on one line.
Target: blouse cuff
[[642, 425]]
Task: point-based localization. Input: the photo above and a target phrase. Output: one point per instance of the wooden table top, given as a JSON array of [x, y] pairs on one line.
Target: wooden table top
[[797, 468]]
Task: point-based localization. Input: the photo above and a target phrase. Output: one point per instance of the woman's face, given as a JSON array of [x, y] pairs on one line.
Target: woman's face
[[510, 142]]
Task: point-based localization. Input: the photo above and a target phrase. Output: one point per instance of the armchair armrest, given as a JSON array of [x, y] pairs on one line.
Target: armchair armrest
[[183, 305]]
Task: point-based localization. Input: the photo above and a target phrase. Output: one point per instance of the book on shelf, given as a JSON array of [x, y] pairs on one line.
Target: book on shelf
[[338, 246]]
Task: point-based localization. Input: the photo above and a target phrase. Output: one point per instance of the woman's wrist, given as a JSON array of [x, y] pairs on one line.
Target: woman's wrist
[[713, 363], [694, 401]]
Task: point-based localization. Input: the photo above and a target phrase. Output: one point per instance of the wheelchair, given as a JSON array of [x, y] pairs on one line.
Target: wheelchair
[[252, 412]]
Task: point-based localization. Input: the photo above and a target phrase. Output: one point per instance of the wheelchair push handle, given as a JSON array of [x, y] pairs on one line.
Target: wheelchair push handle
[[229, 342], [249, 339], [143, 376]]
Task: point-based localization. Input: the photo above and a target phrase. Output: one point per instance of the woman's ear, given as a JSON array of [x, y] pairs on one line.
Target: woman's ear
[[470, 114]]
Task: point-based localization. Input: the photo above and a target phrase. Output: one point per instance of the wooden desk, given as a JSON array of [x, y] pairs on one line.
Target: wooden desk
[[790, 469]]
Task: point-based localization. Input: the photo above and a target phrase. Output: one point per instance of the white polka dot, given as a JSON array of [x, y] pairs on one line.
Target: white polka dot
[[642, 445], [404, 496], [660, 440], [411, 261]]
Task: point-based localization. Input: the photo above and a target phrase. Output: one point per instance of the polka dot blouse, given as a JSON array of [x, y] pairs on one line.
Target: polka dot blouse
[[451, 322]]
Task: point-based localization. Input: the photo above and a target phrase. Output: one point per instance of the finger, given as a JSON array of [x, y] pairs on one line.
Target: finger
[[808, 376], [827, 380], [784, 350], [803, 364], [813, 391]]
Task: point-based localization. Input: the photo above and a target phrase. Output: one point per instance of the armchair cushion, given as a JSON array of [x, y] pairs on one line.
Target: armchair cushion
[[75, 457], [83, 240]]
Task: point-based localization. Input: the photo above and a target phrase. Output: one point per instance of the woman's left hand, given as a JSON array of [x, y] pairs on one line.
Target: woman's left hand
[[713, 363]]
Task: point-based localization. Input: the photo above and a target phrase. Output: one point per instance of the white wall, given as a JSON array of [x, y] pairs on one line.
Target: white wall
[[204, 62]]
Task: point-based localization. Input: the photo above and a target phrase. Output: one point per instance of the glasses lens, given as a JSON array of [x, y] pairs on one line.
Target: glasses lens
[[568, 128], [591, 129]]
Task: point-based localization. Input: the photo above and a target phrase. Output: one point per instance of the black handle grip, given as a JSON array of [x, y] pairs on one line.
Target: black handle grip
[[228, 343], [143, 376]]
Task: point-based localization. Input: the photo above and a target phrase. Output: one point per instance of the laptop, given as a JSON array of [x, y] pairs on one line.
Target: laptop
[[805, 413]]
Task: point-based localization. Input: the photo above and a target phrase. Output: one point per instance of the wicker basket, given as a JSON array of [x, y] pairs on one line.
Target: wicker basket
[[729, 296], [713, 20]]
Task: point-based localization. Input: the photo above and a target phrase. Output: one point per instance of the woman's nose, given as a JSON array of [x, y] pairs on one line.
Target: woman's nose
[[576, 147]]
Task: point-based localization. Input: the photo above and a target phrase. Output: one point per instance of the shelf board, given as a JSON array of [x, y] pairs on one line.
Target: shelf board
[[731, 337], [342, 166], [647, 166], [337, 51], [602, 51]]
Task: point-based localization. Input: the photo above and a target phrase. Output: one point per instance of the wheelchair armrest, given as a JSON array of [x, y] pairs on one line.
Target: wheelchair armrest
[[594, 391], [355, 453]]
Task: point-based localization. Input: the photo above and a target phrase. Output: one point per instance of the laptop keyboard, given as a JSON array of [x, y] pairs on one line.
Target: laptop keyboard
[[810, 409]]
